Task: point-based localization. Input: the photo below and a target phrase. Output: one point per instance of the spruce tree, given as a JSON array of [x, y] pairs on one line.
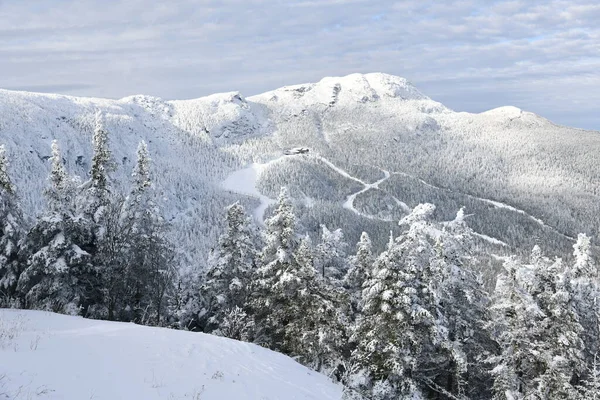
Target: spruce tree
[[516, 324], [586, 296], [58, 270], [465, 311], [11, 233], [561, 348], [232, 266], [275, 282], [360, 269], [135, 253], [331, 256], [400, 333], [295, 312]]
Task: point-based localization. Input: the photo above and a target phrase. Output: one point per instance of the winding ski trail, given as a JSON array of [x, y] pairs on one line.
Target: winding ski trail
[[244, 181]]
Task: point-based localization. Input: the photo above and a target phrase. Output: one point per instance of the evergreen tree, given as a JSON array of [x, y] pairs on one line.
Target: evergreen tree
[[294, 312], [586, 296], [331, 256], [101, 160], [561, 347], [465, 309], [400, 332], [516, 323], [360, 269], [590, 390], [232, 265], [11, 233], [275, 282], [58, 274], [134, 253]]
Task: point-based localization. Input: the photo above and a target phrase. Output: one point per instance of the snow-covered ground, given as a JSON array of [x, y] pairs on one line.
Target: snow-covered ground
[[51, 356], [244, 181]]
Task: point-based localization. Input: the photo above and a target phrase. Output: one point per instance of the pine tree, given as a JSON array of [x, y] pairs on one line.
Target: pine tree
[[232, 266], [11, 233]]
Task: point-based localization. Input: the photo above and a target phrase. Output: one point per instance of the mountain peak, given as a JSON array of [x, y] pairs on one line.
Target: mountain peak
[[349, 89]]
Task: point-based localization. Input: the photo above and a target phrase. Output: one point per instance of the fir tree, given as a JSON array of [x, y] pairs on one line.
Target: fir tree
[[11, 233], [294, 312], [58, 274], [331, 256], [360, 269], [516, 323], [399, 333], [232, 266], [561, 347]]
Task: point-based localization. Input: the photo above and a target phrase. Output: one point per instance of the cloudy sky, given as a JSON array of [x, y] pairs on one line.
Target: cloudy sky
[[471, 55]]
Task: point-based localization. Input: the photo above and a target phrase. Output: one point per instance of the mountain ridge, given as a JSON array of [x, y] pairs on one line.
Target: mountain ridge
[[379, 78], [361, 123]]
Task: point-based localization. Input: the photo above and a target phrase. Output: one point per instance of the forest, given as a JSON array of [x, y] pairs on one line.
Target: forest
[[413, 320]]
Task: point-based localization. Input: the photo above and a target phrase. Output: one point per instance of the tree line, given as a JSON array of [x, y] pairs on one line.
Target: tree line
[[411, 322]]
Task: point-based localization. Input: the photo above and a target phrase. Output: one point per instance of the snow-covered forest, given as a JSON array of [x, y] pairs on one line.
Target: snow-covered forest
[[420, 316]]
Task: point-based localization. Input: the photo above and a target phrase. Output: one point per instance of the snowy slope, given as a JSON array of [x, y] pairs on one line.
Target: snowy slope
[[212, 151], [71, 358]]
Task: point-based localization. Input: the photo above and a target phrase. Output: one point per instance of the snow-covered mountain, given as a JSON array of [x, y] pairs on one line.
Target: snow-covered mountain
[[377, 147], [51, 356]]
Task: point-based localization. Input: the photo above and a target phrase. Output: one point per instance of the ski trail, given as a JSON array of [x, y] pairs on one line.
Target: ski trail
[[341, 171], [490, 239], [349, 203], [244, 181], [496, 204]]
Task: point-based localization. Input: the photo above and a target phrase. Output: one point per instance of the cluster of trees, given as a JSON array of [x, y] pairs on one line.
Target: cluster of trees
[[413, 321], [93, 251]]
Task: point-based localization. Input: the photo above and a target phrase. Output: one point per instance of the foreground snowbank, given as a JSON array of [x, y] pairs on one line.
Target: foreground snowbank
[[51, 356]]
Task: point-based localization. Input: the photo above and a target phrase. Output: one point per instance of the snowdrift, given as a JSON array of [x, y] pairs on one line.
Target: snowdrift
[[51, 356]]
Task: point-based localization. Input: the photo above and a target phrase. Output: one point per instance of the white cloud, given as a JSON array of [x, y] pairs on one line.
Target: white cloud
[[472, 55]]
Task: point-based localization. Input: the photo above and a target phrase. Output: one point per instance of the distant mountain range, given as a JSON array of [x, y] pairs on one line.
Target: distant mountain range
[[373, 146]]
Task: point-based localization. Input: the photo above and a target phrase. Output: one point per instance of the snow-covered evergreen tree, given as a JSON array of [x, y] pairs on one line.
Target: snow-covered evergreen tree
[[58, 274], [101, 160], [516, 325], [400, 333], [330, 257], [232, 266], [11, 232], [585, 285], [465, 310], [236, 324], [134, 253], [590, 389], [295, 312], [561, 347], [360, 269]]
